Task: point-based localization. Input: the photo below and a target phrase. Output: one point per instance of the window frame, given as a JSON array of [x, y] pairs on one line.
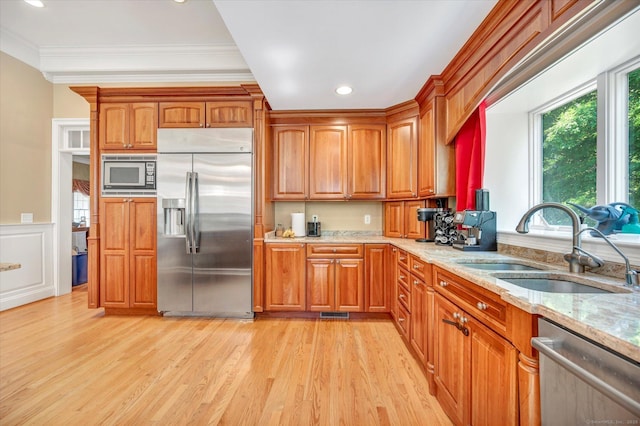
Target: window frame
[[612, 157]]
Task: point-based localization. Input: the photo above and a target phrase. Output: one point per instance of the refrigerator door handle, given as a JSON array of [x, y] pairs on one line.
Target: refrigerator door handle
[[195, 212], [188, 224]]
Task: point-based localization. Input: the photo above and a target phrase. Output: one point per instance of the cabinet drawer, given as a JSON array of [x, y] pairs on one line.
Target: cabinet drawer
[[404, 297], [403, 258], [404, 321], [421, 269], [477, 301], [404, 278], [345, 251]]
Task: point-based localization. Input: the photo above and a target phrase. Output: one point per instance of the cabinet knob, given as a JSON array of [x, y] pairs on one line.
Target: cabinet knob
[[401, 296], [401, 277], [463, 320], [394, 250], [400, 319], [129, 146], [416, 282], [402, 258], [481, 305], [301, 245], [201, 125], [443, 284], [337, 261], [124, 145], [456, 315], [416, 267], [335, 250]]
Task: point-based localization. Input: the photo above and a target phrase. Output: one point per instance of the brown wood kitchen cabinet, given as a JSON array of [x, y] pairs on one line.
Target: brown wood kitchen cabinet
[[329, 162], [206, 114], [401, 219], [475, 366], [290, 163], [335, 277], [402, 158], [128, 254], [437, 168], [285, 277], [128, 126], [377, 297], [421, 308]]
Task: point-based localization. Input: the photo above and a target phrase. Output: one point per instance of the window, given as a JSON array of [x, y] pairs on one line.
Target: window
[[633, 118], [590, 145], [569, 147], [80, 208]]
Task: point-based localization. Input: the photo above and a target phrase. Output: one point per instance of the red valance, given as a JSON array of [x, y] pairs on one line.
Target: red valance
[[470, 147], [81, 186]]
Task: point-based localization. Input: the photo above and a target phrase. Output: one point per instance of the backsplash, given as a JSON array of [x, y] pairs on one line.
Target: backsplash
[[334, 216]]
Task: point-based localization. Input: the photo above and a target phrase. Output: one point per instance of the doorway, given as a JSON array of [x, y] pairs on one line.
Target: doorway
[[70, 137]]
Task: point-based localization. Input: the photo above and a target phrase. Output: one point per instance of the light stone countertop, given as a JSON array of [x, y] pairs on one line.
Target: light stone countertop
[[611, 319], [9, 266]]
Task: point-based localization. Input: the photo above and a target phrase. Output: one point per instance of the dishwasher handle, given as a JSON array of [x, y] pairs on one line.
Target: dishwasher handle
[[545, 346]]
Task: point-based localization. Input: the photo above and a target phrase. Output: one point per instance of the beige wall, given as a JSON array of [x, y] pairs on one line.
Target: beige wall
[[26, 105], [334, 216], [68, 104]]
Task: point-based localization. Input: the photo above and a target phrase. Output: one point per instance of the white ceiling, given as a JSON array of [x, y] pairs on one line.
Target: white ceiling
[[297, 51]]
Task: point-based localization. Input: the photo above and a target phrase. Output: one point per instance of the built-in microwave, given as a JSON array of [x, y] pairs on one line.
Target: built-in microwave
[[129, 175]]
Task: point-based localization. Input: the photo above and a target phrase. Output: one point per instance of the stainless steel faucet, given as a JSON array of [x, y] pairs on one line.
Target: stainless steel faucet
[[578, 258], [631, 275]]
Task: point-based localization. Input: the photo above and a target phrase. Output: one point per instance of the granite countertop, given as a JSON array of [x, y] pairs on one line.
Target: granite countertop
[[611, 319], [9, 266]]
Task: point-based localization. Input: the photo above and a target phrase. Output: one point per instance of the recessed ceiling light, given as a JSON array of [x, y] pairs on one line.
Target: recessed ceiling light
[[344, 90], [179, 1], [35, 3]]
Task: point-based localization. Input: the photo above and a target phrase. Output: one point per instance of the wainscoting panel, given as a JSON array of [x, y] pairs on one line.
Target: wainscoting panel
[[30, 245]]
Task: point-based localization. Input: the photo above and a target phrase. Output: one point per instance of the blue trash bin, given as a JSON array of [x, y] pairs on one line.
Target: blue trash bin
[[79, 269]]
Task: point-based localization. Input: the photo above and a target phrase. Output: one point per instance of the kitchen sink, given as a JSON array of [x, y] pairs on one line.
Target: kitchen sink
[[557, 283], [499, 265]]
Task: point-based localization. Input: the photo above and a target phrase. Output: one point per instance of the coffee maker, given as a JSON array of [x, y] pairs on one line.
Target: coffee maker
[[481, 230], [428, 215]]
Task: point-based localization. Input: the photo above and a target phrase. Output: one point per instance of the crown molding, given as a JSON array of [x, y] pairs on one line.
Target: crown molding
[[19, 48], [131, 64]]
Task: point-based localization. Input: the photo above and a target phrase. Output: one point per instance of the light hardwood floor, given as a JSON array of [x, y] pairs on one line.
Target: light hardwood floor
[[61, 363]]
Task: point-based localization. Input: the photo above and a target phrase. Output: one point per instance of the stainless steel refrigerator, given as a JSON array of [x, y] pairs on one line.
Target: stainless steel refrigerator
[[205, 222]]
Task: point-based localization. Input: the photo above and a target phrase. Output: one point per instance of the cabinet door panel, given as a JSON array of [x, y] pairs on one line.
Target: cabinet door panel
[[419, 317], [394, 219], [402, 157], [327, 162], [290, 163], [143, 224], [114, 286], [412, 227], [229, 114], [115, 229], [320, 285], [285, 277], [451, 362], [426, 152], [376, 278], [114, 127], [143, 286], [367, 153], [143, 125], [494, 399], [349, 285], [181, 114]]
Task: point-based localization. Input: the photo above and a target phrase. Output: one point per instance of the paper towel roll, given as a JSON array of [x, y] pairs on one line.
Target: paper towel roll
[[297, 224]]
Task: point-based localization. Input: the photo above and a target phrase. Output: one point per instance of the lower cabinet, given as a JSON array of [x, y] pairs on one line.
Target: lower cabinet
[[475, 369], [377, 297], [128, 253], [285, 277], [335, 285]]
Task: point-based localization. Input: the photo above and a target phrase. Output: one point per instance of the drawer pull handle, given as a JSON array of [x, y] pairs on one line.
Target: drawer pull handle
[[481, 305], [459, 326]]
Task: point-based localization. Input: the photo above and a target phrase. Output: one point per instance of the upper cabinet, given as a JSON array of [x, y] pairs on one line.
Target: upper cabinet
[[206, 114], [329, 162], [367, 160], [402, 158], [437, 159], [290, 163], [127, 126]]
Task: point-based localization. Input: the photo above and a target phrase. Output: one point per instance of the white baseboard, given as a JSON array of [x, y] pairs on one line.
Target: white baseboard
[[31, 246]]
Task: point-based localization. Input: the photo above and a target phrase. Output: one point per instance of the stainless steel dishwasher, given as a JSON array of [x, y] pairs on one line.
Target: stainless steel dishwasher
[[582, 383]]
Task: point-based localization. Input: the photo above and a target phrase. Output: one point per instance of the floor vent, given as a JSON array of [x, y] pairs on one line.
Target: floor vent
[[334, 315]]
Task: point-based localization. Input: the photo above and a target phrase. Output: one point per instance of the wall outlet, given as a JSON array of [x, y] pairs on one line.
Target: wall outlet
[[314, 217], [367, 219], [26, 217]]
